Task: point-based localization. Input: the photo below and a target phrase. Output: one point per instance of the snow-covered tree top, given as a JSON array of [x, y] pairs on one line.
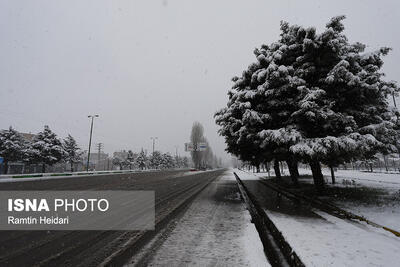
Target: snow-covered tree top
[[308, 90]]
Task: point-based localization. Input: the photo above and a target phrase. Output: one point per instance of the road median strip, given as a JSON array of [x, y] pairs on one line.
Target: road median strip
[[277, 249]]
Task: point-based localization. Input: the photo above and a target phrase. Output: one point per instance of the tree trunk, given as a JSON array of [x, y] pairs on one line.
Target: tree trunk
[[72, 167], [43, 168], [332, 174], [370, 165], [277, 170], [258, 168], [5, 167], [317, 175], [296, 168], [386, 164], [293, 170]]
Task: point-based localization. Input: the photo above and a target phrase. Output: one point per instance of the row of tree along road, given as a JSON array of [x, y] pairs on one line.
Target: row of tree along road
[[156, 160], [47, 149], [313, 98]]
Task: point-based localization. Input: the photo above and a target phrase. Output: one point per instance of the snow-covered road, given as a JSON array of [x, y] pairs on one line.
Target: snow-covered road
[[214, 231]]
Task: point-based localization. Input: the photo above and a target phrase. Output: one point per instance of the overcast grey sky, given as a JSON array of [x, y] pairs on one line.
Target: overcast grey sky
[[151, 67]]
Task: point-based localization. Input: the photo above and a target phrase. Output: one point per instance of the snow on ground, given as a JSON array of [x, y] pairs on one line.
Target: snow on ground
[[215, 231], [253, 248], [252, 245], [321, 239], [385, 212], [244, 175], [329, 241], [196, 172], [385, 180], [385, 215]]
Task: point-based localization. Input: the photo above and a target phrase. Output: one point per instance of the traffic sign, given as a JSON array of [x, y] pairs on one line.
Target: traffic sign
[[201, 146], [189, 147]]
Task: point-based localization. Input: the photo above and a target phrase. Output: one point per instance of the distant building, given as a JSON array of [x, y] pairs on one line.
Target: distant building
[[123, 154], [94, 157], [28, 136]]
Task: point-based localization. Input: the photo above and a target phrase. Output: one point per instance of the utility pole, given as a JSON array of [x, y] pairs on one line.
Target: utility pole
[[90, 139], [394, 102], [154, 141], [99, 147]]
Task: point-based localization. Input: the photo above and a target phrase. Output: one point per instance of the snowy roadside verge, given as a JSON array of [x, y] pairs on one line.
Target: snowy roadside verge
[[324, 240], [383, 205], [384, 208]]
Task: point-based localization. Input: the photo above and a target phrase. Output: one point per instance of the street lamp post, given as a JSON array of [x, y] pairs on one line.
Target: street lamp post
[[90, 139], [154, 141], [176, 151]]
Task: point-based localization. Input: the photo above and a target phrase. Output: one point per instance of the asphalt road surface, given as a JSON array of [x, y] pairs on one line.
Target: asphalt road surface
[[91, 248]]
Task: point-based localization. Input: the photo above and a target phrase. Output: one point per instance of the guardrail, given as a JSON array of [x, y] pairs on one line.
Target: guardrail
[[81, 173]]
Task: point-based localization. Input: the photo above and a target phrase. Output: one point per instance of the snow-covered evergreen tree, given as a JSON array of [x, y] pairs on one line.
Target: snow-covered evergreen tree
[[343, 110], [12, 146], [256, 122], [155, 160], [167, 161], [46, 148], [141, 160], [73, 154], [130, 159], [310, 97], [185, 162], [117, 161]]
